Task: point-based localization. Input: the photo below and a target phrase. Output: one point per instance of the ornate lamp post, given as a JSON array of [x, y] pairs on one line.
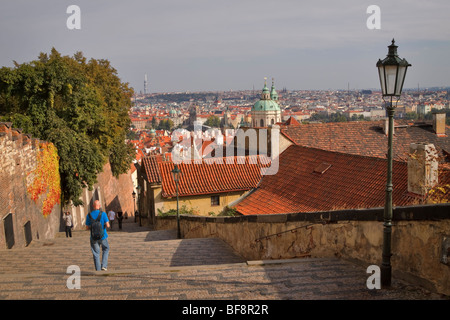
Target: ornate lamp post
[[176, 172], [139, 196], [392, 72], [134, 204]]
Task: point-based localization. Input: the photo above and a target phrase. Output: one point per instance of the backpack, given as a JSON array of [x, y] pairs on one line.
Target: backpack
[[96, 227]]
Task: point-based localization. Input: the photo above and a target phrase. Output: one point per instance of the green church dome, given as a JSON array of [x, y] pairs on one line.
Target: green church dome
[[265, 105], [268, 101]]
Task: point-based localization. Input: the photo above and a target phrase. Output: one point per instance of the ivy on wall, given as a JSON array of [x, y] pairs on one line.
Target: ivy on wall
[[45, 179]]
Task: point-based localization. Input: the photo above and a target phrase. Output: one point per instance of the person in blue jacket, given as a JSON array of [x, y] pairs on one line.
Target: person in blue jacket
[[103, 242]]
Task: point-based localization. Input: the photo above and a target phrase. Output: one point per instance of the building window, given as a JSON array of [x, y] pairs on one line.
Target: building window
[[215, 200], [262, 123]]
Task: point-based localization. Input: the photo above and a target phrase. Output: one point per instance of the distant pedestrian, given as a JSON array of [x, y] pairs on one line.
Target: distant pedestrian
[[68, 224], [119, 219], [102, 242], [111, 217]]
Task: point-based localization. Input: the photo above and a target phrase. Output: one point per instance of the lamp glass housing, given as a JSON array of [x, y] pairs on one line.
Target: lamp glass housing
[[392, 78], [176, 172], [392, 72]]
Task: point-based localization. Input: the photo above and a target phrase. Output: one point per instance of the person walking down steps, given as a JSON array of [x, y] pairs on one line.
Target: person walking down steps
[[97, 221], [68, 224], [119, 219], [111, 217]]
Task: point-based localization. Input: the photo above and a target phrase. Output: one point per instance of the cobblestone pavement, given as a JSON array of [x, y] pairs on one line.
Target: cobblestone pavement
[[154, 265]]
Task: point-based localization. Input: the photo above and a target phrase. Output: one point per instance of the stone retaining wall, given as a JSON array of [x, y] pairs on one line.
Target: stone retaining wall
[[420, 238], [21, 218]]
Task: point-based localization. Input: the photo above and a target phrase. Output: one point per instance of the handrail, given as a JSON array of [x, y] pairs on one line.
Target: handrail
[[294, 230]]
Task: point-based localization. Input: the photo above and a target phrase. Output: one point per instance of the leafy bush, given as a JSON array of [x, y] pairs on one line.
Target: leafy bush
[[228, 212], [80, 106], [182, 210]]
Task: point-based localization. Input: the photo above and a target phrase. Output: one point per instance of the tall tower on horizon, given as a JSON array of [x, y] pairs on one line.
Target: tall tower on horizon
[[145, 84]]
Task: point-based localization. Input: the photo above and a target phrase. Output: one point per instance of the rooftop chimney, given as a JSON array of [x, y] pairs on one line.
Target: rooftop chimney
[[386, 127], [439, 123], [422, 168]]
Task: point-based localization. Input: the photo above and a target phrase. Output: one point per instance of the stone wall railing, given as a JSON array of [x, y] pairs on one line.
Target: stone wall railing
[[420, 238]]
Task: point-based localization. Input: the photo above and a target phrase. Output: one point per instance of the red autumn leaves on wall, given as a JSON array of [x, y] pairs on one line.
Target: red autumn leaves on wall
[[45, 179]]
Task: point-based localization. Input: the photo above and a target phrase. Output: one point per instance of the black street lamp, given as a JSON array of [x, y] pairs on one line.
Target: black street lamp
[[134, 204], [392, 72], [139, 195], [176, 173]]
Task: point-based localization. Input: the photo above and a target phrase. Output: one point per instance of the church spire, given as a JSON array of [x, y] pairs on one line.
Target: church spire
[[273, 92], [265, 95]]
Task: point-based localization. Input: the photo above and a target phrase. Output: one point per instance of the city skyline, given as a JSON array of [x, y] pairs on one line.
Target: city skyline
[[214, 46]]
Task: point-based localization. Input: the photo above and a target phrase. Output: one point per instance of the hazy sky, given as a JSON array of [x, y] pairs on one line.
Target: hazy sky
[[210, 45]]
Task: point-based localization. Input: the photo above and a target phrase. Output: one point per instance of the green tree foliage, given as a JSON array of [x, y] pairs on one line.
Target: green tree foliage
[[213, 121], [81, 106], [411, 116], [334, 117], [165, 124]]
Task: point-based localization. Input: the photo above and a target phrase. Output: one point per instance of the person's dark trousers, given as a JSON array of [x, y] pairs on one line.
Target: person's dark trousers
[[68, 232]]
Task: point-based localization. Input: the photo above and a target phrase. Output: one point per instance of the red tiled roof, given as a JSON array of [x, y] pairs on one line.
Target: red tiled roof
[[365, 138], [311, 180], [207, 148], [139, 154], [292, 122], [151, 168], [209, 177]]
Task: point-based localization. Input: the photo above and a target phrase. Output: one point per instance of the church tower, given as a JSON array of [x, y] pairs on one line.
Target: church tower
[[273, 92], [266, 112], [145, 84]]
